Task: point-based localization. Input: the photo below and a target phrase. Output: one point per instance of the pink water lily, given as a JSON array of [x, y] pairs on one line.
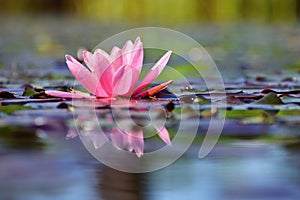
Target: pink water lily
[[115, 74]]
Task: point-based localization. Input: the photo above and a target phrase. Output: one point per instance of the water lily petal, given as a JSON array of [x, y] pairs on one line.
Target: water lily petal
[[152, 91], [67, 95], [128, 46], [103, 53], [82, 74], [137, 58], [88, 59], [153, 73], [123, 81], [137, 55], [117, 58], [163, 134], [86, 78], [96, 62]]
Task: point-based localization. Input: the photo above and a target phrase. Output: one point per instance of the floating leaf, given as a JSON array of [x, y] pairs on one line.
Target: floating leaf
[[6, 95], [238, 114], [28, 91], [270, 99], [12, 108]]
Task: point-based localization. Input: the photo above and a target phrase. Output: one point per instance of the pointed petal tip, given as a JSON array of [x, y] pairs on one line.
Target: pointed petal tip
[[68, 57], [162, 62], [114, 50], [168, 55], [85, 52], [168, 82], [152, 91], [139, 154], [164, 135], [137, 40]]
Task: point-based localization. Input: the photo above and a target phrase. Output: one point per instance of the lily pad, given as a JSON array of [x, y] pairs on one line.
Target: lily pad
[[9, 109]]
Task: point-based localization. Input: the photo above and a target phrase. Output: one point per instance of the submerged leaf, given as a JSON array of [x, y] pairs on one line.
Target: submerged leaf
[[20, 138]]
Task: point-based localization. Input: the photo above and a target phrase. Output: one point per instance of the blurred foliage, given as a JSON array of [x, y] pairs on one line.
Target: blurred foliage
[[161, 12]]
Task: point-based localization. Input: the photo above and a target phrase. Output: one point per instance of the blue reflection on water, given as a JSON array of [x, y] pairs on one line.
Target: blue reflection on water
[[235, 171], [65, 170]]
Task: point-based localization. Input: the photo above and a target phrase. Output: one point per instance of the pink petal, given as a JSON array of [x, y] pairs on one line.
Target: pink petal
[[106, 80], [117, 58], [82, 74], [152, 91], [88, 59], [103, 53], [67, 95], [137, 55], [133, 56], [128, 46], [137, 58], [136, 141], [96, 62], [123, 82], [164, 134], [153, 73]]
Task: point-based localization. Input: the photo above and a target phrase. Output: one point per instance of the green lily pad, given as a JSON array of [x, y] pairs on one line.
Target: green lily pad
[[269, 99], [10, 109]]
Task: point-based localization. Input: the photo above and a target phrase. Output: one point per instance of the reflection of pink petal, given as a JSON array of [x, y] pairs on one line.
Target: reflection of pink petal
[[71, 134], [99, 139], [164, 134], [131, 141], [118, 138], [153, 73], [152, 91], [67, 95], [136, 141]]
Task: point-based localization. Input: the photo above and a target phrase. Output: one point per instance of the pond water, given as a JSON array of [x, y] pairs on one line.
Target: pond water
[[63, 169], [254, 159]]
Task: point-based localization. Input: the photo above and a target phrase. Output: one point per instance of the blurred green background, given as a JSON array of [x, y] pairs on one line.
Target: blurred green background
[[238, 34], [164, 12]]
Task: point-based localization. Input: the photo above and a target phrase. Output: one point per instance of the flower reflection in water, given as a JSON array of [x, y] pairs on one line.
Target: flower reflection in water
[[125, 134]]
